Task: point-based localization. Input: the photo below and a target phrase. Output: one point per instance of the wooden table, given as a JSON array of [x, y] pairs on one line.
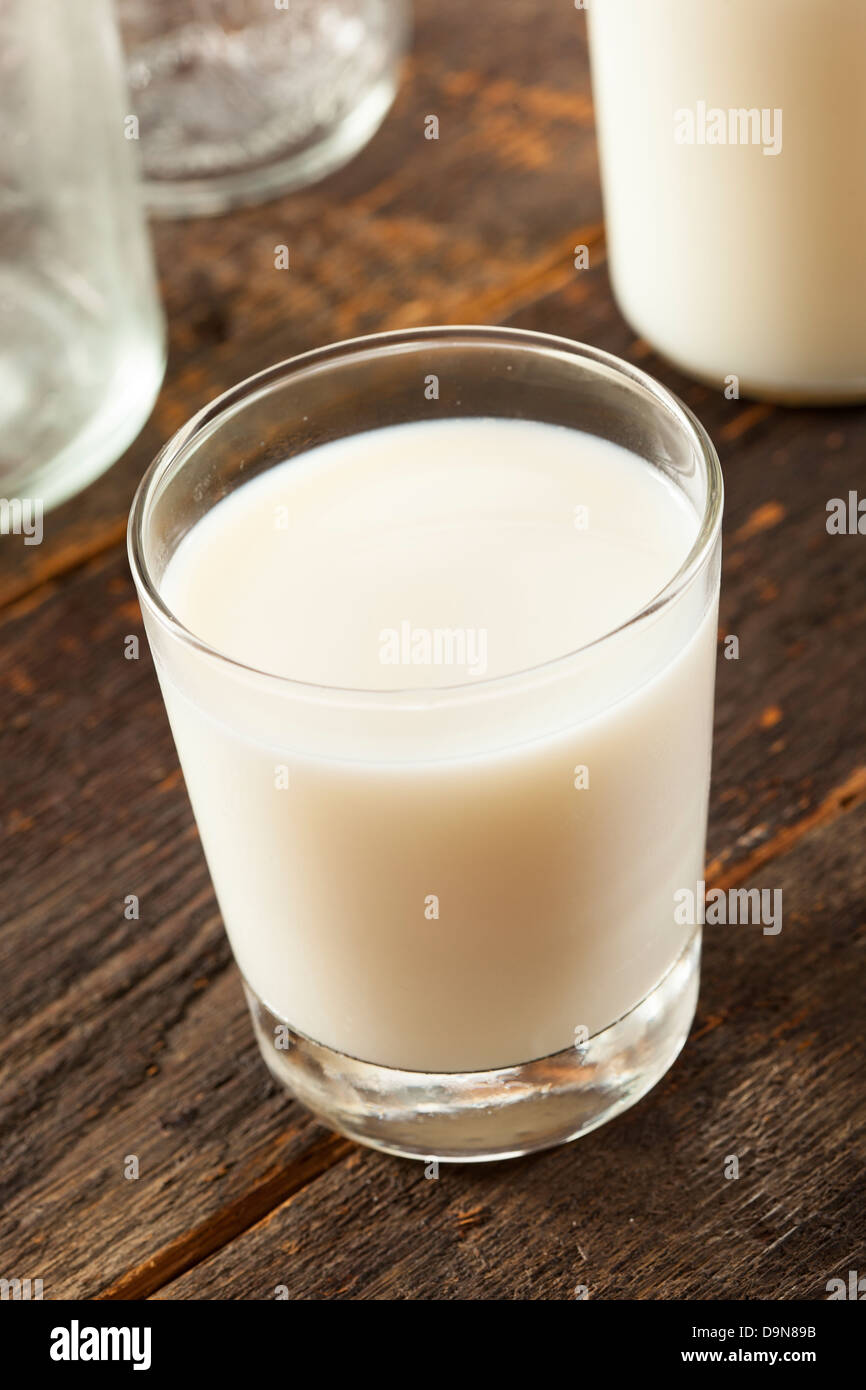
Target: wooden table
[[128, 1038]]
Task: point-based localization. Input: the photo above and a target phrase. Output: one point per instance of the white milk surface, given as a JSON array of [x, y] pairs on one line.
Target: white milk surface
[[426, 887]]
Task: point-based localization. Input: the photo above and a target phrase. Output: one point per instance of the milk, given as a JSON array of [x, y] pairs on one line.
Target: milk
[[737, 246], [425, 859]]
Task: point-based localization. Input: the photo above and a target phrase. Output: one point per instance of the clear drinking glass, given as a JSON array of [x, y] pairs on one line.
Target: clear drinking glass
[[82, 349], [374, 772], [240, 100]]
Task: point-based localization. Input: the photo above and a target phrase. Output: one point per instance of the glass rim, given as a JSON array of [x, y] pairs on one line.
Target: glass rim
[[379, 344]]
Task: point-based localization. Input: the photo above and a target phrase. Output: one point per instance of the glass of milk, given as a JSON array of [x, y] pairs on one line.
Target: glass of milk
[[434, 617], [731, 141]]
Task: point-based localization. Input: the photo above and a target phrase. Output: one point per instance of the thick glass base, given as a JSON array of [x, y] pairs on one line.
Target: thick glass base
[[218, 192], [473, 1117]]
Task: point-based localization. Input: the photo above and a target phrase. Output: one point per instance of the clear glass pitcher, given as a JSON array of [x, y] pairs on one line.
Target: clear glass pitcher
[[81, 330], [240, 100]]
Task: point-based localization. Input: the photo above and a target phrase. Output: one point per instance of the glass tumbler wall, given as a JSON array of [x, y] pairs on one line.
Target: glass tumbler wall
[[81, 331], [560, 986]]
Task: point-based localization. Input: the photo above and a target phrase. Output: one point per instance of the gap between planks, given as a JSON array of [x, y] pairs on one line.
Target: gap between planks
[[242, 1215], [196, 1245]]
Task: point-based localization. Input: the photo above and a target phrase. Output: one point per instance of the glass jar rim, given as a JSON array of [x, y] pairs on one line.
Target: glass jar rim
[[173, 451]]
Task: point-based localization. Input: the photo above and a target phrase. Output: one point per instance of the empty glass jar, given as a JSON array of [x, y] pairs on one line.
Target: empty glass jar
[[240, 100]]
